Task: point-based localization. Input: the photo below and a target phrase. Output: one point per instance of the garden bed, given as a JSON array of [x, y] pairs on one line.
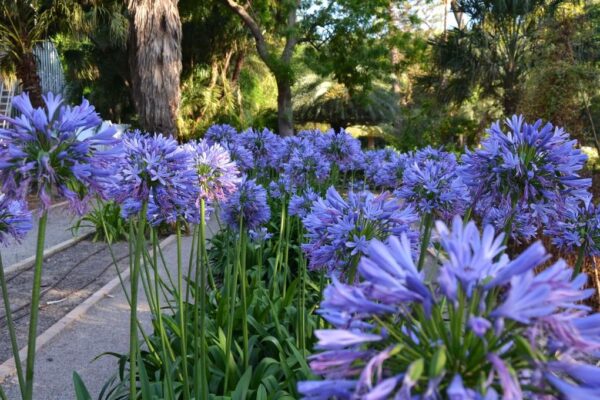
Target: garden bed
[[69, 278]]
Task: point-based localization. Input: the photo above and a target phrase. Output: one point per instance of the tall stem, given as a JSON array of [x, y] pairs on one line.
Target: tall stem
[[135, 274], [35, 306], [182, 313], [427, 225], [243, 282], [231, 309], [35, 303], [11, 329], [202, 294], [580, 260]]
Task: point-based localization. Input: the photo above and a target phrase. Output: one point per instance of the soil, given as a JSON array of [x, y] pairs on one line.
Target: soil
[[69, 278]]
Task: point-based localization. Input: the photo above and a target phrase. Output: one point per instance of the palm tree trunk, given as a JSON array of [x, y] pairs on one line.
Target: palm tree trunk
[[27, 73], [155, 63]]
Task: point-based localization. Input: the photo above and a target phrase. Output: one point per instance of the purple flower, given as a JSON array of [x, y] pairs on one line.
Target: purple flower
[[433, 187], [301, 204], [580, 227], [393, 324], [220, 134], [510, 384], [259, 235], [41, 149], [334, 223], [529, 165], [15, 219], [153, 169], [341, 150], [384, 168], [472, 258], [479, 325], [532, 296], [304, 167], [218, 176], [247, 205], [263, 145], [327, 389]]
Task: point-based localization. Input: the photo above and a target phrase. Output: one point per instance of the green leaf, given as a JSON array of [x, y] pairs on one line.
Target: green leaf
[[241, 390], [415, 370], [81, 392], [438, 362]]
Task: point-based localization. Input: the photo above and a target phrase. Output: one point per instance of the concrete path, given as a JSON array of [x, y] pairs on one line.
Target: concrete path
[[60, 220], [104, 327]]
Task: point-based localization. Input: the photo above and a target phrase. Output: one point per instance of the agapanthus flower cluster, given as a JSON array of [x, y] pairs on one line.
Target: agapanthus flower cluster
[[305, 167], [530, 169], [41, 150], [339, 230], [248, 206], [155, 170], [431, 184], [15, 219], [487, 328], [219, 134], [391, 171], [341, 150], [580, 229], [301, 204], [218, 176], [263, 145]]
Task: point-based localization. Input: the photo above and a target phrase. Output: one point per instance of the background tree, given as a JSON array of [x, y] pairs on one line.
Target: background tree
[[492, 52], [23, 25], [155, 63], [280, 20]]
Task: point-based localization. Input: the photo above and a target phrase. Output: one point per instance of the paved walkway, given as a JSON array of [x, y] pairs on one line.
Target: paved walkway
[[105, 327], [60, 220]]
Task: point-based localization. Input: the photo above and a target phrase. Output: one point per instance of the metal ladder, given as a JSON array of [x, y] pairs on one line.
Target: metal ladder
[[7, 92]]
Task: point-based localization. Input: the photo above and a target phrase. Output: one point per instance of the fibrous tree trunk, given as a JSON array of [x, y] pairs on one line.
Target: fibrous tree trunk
[[26, 71], [155, 63]]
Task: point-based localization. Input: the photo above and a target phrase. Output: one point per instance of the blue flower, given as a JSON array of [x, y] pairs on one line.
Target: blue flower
[[301, 204], [334, 222], [529, 165], [433, 186], [263, 145], [153, 169], [579, 228], [247, 205], [220, 134], [44, 149], [218, 176], [341, 150], [15, 219], [393, 324]]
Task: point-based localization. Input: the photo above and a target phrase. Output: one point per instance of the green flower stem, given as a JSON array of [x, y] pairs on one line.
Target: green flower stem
[[133, 323], [182, 313], [580, 260], [282, 227], [302, 305], [231, 308], [193, 252], [11, 329], [427, 226], [286, 264], [244, 282], [35, 306], [166, 348], [202, 294]]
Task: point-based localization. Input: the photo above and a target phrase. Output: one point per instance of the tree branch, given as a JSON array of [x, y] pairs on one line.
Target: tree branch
[[292, 36], [261, 44]]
